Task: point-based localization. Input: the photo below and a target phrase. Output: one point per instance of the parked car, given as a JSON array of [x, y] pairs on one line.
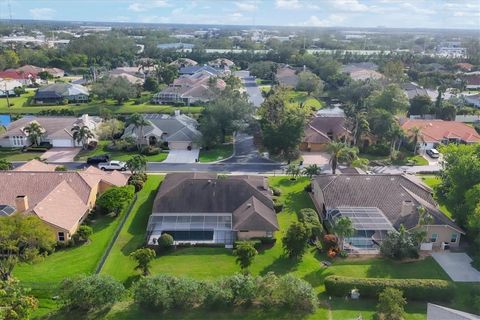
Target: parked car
[[433, 153], [98, 159], [113, 165]]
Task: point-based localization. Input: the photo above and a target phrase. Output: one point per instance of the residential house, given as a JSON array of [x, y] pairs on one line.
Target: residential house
[[472, 81], [378, 204], [57, 130], [412, 90], [206, 208], [190, 89], [178, 131], [287, 76], [23, 78], [320, 131], [7, 87], [221, 63], [362, 71], [184, 62], [335, 112], [473, 99], [57, 93], [436, 312], [463, 66], [61, 199], [436, 132], [133, 80], [34, 71], [190, 70], [137, 72]]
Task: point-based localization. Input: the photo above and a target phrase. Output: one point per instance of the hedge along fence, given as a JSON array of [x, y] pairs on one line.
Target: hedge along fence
[[413, 289]]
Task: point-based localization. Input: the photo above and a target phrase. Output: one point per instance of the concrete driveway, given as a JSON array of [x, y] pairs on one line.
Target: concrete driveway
[[457, 266], [318, 158], [246, 151], [182, 156], [60, 154]]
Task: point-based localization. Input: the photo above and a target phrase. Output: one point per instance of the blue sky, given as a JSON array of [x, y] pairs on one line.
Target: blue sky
[[322, 13]]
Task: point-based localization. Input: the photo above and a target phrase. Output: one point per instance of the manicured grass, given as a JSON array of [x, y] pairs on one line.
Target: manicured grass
[[299, 97], [432, 181], [416, 160], [15, 154], [116, 155], [21, 105], [217, 153], [211, 263], [118, 263]]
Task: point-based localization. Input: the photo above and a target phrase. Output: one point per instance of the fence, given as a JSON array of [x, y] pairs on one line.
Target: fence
[[115, 236]]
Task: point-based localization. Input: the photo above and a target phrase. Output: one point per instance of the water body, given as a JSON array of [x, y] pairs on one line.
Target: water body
[[5, 119]]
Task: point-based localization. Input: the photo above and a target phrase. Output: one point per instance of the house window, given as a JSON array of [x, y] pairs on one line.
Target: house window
[[433, 237], [269, 234], [61, 236], [454, 237], [243, 230], [17, 140]]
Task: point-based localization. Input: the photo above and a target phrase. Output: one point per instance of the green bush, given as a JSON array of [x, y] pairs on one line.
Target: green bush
[[165, 241], [378, 150], [186, 293], [278, 207], [310, 218], [276, 192], [136, 182], [255, 242], [153, 292], [264, 240], [116, 199], [413, 289], [297, 294], [150, 151], [91, 292]]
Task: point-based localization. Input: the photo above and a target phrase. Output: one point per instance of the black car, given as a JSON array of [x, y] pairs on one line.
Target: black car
[[98, 159]]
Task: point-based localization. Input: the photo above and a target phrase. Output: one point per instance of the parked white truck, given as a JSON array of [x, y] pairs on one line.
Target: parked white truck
[[113, 165]]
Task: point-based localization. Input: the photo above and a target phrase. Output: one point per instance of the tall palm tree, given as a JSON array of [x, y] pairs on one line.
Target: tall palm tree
[[343, 228], [81, 134], [311, 171], [34, 132], [139, 123], [415, 131], [340, 151]]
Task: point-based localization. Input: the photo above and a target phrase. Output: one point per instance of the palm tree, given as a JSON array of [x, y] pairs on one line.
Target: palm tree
[[34, 132], [311, 171], [424, 220], [138, 122], [293, 170], [343, 228], [81, 135], [340, 151], [415, 131]]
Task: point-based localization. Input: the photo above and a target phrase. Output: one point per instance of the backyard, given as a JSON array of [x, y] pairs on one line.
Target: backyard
[[102, 148], [301, 97]]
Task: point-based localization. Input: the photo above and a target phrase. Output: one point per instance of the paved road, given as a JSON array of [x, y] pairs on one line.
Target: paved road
[[407, 169], [246, 152], [251, 87]]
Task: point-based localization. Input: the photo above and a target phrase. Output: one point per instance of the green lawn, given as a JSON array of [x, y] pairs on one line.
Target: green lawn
[[210, 263], [44, 276], [116, 155], [298, 97], [217, 153], [21, 105], [15, 154], [432, 181], [416, 160]]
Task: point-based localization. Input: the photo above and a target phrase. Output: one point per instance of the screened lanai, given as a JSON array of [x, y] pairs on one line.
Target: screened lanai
[[370, 225], [192, 228]]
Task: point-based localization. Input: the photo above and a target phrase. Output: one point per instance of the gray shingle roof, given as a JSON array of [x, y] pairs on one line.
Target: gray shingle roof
[[59, 90], [246, 197], [385, 192]]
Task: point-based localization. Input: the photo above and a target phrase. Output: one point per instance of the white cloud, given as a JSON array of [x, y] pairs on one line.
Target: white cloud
[[147, 5], [246, 6], [288, 4], [42, 13], [330, 21], [349, 5], [416, 9]]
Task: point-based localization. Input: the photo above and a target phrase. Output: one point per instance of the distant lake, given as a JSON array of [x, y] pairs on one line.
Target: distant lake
[[5, 119]]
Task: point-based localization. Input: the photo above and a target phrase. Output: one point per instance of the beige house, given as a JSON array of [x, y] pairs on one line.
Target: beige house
[[61, 199], [378, 204], [205, 208]]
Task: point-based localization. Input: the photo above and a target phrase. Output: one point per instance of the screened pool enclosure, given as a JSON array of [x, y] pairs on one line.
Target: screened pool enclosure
[[370, 225], [192, 228]]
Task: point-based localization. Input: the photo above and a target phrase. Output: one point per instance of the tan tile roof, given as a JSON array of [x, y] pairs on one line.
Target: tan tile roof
[[37, 166], [93, 176], [437, 130], [61, 207]]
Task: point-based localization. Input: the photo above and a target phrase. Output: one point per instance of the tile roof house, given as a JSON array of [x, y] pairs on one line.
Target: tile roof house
[[204, 207], [7, 86], [60, 199], [320, 131], [472, 81], [36, 165], [23, 78], [412, 90], [435, 132], [56, 93], [221, 63], [362, 71], [58, 130], [464, 66], [134, 80], [189, 70], [378, 204], [178, 131], [287, 76], [184, 62], [190, 89]]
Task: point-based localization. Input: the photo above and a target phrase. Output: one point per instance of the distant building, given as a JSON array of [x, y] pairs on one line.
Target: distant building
[[190, 70], [412, 90], [473, 99], [287, 76], [58, 92], [176, 46], [184, 62], [362, 71]]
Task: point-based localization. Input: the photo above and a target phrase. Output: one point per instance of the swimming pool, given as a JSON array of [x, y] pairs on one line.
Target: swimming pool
[[5, 119]]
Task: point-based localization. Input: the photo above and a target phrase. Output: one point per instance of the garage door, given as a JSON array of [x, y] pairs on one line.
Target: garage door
[[178, 145], [62, 143]]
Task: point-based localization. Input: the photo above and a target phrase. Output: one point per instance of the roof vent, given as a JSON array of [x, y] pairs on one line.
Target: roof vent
[[249, 205], [209, 181]]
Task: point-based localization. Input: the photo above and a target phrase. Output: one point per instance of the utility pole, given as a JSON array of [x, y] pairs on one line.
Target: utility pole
[[6, 92]]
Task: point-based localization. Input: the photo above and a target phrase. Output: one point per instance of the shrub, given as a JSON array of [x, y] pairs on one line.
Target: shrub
[[5, 165], [378, 150], [153, 293], [150, 151], [186, 293], [263, 240], [276, 192], [278, 207], [391, 304], [308, 188], [330, 242], [295, 240], [310, 218], [83, 233], [217, 296], [297, 294], [245, 253], [116, 199], [136, 183], [91, 292], [243, 288], [61, 168], [165, 241], [476, 262], [414, 289], [400, 245]]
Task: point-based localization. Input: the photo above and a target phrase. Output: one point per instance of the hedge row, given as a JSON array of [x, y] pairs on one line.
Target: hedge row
[[413, 289]]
